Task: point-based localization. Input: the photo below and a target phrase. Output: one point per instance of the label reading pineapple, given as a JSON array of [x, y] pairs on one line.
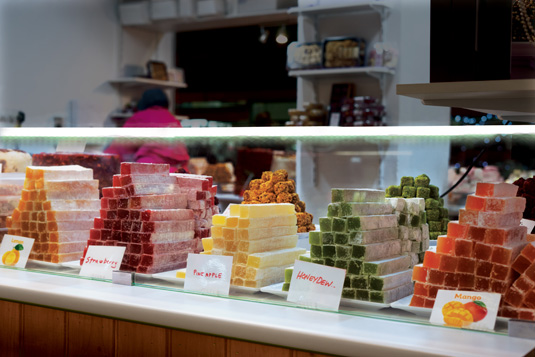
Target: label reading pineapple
[[15, 251], [473, 310]]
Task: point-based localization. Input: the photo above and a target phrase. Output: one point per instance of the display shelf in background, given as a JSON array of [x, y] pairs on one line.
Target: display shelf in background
[[128, 115], [145, 82], [363, 7], [513, 99], [326, 72]]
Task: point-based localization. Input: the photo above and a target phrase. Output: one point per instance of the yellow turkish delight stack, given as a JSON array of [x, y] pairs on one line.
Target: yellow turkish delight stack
[[57, 208], [262, 238], [275, 187]]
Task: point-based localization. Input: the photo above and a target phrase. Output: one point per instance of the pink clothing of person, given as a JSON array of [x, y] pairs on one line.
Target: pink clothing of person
[[175, 154]]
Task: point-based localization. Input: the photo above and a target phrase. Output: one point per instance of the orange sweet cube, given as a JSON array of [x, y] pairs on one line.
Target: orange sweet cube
[[433, 290], [514, 297], [526, 314], [432, 260], [502, 255], [421, 289], [483, 268], [498, 286], [524, 284], [468, 217], [482, 251], [419, 273], [477, 203], [506, 204], [429, 303], [504, 236], [501, 272], [445, 244], [466, 281], [482, 284], [476, 233], [520, 264], [530, 272], [417, 301], [463, 248], [529, 252], [436, 277], [457, 230], [529, 300], [496, 189], [447, 263], [466, 265], [451, 280]]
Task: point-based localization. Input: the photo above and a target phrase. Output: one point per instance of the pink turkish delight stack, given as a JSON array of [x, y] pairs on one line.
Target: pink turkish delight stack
[[147, 212]]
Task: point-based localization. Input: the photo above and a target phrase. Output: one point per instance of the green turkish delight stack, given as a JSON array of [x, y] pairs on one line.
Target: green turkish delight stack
[[360, 235]]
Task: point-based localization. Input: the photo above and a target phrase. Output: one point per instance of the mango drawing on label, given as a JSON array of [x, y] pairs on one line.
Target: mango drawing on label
[[457, 314], [11, 257]]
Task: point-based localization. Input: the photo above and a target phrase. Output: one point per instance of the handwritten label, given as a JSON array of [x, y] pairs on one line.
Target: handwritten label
[[15, 251], [100, 261], [71, 146], [528, 223], [208, 273], [466, 309], [316, 285]]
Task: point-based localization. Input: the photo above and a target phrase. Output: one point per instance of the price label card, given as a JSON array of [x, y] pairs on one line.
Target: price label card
[[71, 146], [528, 223], [15, 250], [466, 309], [100, 261], [316, 285], [208, 273]]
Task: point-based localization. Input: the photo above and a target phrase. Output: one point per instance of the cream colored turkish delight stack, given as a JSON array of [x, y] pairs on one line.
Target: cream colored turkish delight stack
[[262, 238], [57, 208]]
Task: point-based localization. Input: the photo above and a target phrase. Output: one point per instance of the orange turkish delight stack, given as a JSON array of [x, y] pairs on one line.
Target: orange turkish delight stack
[[275, 187], [520, 297], [478, 251]]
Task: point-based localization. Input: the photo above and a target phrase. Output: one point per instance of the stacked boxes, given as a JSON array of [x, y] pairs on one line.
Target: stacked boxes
[[436, 215], [274, 187], [360, 235], [413, 231], [478, 251], [56, 208], [147, 212], [262, 238]]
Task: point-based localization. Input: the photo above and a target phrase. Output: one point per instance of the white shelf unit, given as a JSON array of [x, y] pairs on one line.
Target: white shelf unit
[[376, 72], [146, 83], [362, 7]]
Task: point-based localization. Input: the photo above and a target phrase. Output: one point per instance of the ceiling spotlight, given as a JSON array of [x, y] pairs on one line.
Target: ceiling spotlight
[[264, 34], [282, 35]]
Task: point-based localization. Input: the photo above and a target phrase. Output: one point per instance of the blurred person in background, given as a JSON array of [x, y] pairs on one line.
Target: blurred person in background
[[153, 112]]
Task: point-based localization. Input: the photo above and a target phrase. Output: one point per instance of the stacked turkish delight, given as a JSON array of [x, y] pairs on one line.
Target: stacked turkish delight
[[262, 238], [147, 212], [436, 215], [11, 185], [478, 251], [360, 235], [413, 230], [57, 208]]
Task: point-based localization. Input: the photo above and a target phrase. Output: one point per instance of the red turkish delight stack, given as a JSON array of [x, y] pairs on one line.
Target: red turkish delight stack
[[479, 251], [148, 211]]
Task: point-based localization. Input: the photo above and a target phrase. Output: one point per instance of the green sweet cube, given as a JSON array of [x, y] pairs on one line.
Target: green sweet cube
[[314, 238], [346, 209], [441, 201], [337, 195], [326, 224], [327, 238], [363, 294], [434, 192], [423, 217], [341, 238], [315, 251], [423, 192], [444, 212], [445, 222], [434, 235], [433, 214], [354, 267], [343, 252], [435, 226], [339, 225], [348, 293], [393, 191], [415, 221], [407, 181], [353, 224], [408, 192], [341, 264], [328, 251], [333, 210], [329, 262], [431, 203], [286, 287], [359, 281], [347, 282], [386, 266], [305, 257], [422, 181], [318, 261], [288, 274], [403, 218], [358, 251]]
